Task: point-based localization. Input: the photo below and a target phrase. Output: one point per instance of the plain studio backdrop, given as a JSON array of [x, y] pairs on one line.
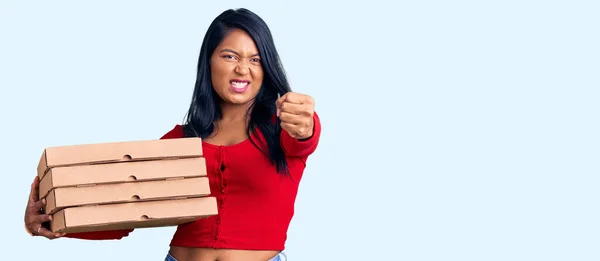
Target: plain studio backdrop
[[452, 130]]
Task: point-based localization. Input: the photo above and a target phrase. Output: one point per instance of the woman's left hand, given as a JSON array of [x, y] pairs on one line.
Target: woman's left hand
[[296, 111]]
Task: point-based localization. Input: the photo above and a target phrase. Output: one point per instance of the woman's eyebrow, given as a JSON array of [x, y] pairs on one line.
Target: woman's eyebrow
[[236, 53]]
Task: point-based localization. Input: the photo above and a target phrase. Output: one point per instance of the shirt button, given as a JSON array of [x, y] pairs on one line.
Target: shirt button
[[222, 190]]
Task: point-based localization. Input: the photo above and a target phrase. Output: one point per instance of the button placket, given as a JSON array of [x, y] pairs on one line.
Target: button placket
[[220, 198], [222, 170]]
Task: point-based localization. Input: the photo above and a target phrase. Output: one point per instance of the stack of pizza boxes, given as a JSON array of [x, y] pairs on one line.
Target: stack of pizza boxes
[[125, 185]]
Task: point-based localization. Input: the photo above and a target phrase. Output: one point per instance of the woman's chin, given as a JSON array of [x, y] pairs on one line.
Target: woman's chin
[[237, 99]]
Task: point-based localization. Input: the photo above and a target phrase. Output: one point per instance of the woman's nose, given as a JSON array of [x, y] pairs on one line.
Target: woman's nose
[[242, 68]]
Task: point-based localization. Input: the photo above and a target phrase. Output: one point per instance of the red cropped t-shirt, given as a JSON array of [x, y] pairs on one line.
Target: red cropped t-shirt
[[255, 203]]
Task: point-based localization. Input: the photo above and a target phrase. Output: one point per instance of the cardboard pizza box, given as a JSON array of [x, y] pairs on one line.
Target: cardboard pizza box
[[97, 174], [133, 215], [116, 152], [67, 197]]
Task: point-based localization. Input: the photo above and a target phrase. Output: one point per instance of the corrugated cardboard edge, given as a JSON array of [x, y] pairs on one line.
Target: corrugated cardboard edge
[[44, 165], [47, 183], [60, 222], [50, 207], [154, 223], [202, 190]]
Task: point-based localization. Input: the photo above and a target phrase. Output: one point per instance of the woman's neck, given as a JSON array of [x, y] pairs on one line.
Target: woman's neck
[[235, 112]]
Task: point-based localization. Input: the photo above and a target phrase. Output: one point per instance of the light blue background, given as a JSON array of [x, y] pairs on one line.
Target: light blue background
[[452, 130]]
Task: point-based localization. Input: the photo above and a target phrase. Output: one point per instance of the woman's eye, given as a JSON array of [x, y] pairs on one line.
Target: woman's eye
[[228, 57], [255, 60]]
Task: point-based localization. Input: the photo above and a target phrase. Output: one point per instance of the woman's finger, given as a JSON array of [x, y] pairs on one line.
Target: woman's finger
[[42, 231], [42, 218], [33, 193], [37, 206], [290, 118]]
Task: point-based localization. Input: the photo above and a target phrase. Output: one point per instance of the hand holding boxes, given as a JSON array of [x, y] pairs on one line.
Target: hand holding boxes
[[125, 185]]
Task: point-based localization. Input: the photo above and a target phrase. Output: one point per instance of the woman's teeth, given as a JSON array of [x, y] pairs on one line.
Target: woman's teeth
[[239, 84]]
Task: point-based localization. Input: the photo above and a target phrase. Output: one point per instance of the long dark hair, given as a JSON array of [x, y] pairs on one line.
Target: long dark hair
[[205, 109]]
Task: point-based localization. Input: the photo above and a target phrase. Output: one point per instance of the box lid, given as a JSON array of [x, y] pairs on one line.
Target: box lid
[[133, 215], [118, 152], [103, 194], [96, 174]]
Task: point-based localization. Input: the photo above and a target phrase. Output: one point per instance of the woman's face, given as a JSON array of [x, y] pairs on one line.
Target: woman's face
[[236, 71]]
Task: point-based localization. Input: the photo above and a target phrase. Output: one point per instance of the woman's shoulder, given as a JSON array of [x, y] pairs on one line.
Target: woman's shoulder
[[175, 133]]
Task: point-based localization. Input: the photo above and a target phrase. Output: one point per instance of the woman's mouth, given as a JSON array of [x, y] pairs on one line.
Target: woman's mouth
[[239, 86]]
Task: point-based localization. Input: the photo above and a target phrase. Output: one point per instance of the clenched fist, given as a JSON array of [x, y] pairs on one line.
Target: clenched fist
[[296, 111]]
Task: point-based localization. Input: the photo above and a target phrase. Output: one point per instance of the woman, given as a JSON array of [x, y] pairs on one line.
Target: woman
[[257, 136]]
